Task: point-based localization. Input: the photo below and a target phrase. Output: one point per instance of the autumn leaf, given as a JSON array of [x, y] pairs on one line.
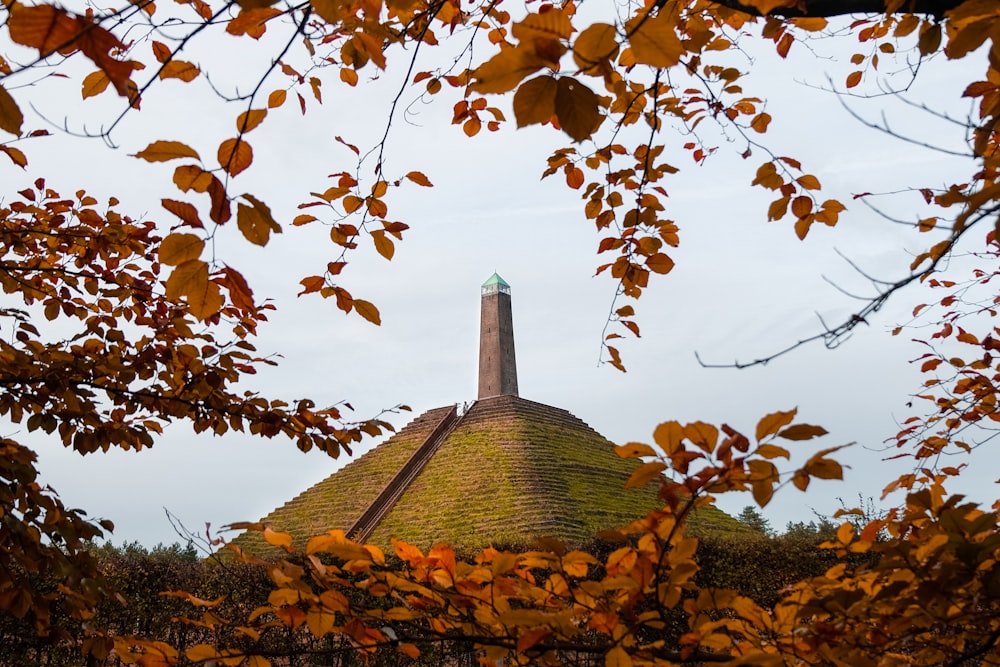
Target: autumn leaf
[[644, 474], [186, 212], [235, 155], [95, 83], [256, 221], [504, 71], [192, 177], [190, 281], [383, 245], [597, 44], [634, 450], [660, 263], [179, 248], [654, 41], [179, 69], [802, 432], [773, 423], [535, 101], [11, 117], [162, 151], [577, 108], [368, 311], [419, 178], [248, 120]]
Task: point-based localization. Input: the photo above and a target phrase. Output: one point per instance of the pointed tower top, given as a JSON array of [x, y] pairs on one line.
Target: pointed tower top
[[495, 284]]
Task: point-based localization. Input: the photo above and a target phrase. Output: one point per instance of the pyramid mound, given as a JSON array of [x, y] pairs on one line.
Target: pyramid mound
[[505, 473]]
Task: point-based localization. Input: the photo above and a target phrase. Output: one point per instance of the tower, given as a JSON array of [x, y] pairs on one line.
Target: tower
[[497, 367]]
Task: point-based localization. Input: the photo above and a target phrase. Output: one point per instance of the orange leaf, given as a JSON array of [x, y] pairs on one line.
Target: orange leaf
[[760, 122], [773, 423], [853, 79], [367, 311], [419, 179], [654, 41], [276, 98], [352, 203], [179, 69], [596, 44], [505, 70], [235, 155], [162, 151], [385, 247], [634, 450], [256, 221], [190, 280], [644, 474], [248, 120], [179, 248], [660, 263], [192, 177], [95, 83], [11, 117], [277, 539], [15, 155], [186, 212], [801, 206]]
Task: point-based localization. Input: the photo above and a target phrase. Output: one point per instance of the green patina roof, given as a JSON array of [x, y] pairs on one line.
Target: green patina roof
[[495, 279], [512, 471]]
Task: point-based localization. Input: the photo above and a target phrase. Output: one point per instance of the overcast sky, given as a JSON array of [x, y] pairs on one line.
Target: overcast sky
[[742, 288]]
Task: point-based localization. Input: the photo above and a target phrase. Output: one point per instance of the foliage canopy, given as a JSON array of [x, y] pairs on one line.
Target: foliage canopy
[[117, 325]]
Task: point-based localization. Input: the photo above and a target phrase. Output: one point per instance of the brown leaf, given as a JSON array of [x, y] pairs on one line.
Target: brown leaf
[[162, 151], [235, 155], [597, 44], [577, 108], [773, 423], [505, 70], [179, 248], [192, 177], [660, 263], [179, 69], [248, 120], [256, 221], [654, 41], [383, 245], [418, 178], [535, 101], [368, 311], [185, 211], [95, 83], [645, 473], [802, 432], [11, 117]]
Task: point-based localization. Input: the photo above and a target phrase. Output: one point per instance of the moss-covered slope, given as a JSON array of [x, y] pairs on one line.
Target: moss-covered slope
[[512, 471]]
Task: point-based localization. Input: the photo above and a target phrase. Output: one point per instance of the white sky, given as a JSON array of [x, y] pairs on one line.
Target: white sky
[[742, 287]]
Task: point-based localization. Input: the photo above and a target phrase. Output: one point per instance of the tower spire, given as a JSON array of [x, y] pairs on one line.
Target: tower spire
[[497, 367]]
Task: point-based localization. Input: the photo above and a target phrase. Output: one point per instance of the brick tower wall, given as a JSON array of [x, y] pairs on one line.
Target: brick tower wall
[[497, 366]]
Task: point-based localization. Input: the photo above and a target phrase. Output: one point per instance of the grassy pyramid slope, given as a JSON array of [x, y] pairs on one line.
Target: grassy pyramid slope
[[339, 500], [511, 471], [515, 470]]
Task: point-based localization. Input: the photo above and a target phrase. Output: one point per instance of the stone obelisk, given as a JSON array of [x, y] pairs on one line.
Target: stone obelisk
[[497, 367]]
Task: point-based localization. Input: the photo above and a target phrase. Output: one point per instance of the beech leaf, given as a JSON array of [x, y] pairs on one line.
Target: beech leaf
[[179, 248], [535, 101], [368, 311], [577, 108], [162, 151], [235, 155], [11, 117]]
